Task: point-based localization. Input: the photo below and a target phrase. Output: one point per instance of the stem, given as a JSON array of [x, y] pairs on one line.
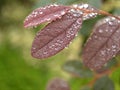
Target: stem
[[108, 14], [96, 11]]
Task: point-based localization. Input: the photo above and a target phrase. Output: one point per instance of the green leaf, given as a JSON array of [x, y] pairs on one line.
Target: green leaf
[[104, 83], [77, 68], [117, 11], [95, 3]]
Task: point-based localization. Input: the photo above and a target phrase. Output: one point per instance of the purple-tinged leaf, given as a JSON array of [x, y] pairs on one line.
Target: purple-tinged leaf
[[57, 84], [56, 35], [45, 14], [87, 10], [103, 44]]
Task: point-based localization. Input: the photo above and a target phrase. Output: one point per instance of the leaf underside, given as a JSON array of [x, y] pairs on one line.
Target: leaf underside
[[45, 14], [103, 44], [56, 35]]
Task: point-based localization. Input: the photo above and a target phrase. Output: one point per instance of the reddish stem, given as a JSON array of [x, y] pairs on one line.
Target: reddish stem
[[97, 11]]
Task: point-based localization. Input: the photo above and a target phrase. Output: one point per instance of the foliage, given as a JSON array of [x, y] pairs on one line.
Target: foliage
[[19, 71]]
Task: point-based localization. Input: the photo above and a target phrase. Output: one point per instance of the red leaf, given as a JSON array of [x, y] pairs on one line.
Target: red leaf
[[56, 35], [103, 44], [57, 84], [45, 14]]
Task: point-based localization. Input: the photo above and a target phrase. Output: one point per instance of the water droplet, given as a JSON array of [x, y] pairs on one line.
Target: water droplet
[[100, 30], [62, 12], [56, 15], [106, 30], [40, 12], [76, 35], [85, 6], [45, 52], [81, 6], [75, 5], [56, 49], [66, 47], [103, 52], [108, 49], [95, 36], [110, 23], [114, 46], [34, 48]]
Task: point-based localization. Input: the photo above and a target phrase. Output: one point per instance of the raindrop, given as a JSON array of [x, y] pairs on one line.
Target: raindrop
[[40, 12], [110, 23], [85, 6], [45, 52], [34, 48], [56, 49], [103, 52], [62, 12], [95, 36], [113, 46], [100, 31]]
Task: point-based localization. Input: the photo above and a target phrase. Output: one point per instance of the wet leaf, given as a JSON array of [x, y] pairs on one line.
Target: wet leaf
[[104, 83], [56, 35], [108, 65], [103, 44], [45, 14], [57, 84], [76, 67]]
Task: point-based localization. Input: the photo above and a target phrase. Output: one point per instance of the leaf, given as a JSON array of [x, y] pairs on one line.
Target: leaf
[[95, 3], [77, 68], [107, 66], [104, 83], [45, 14], [56, 35], [103, 44], [57, 84]]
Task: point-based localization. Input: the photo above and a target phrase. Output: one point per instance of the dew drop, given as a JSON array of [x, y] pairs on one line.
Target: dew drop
[[56, 49], [106, 30], [110, 23], [62, 12], [103, 52], [108, 49], [75, 5], [95, 36], [34, 48], [45, 52], [76, 35], [113, 46], [40, 12], [85, 6], [66, 47], [100, 31]]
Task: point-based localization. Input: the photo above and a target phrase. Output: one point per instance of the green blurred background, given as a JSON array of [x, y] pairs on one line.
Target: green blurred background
[[20, 71]]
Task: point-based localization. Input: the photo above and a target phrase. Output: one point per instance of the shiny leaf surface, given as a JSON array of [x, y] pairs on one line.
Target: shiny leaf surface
[[45, 14], [56, 35], [103, 44]]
